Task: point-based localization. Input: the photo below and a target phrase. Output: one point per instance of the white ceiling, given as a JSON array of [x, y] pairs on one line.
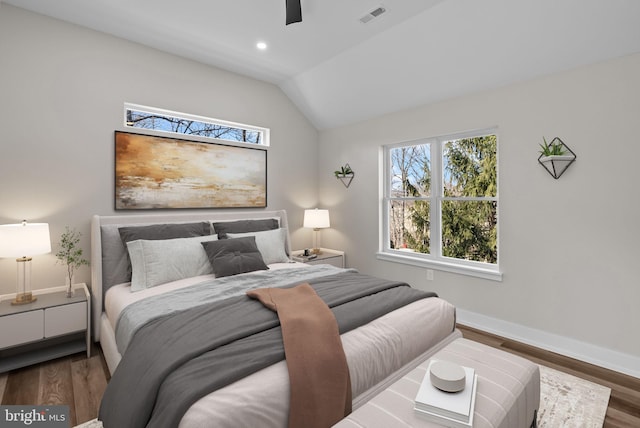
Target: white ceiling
[[339, 71]]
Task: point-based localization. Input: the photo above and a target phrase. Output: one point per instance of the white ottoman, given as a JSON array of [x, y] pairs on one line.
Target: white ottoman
[[508, 391]]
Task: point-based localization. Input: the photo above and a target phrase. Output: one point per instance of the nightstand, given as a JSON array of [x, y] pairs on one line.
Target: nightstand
[[51, 327], [326, 256]]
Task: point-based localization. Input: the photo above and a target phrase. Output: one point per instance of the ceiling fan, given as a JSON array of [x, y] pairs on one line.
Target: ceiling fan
[[294, 11]]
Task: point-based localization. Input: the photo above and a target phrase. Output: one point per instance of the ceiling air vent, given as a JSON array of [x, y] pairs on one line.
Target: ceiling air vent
[[373, 14]]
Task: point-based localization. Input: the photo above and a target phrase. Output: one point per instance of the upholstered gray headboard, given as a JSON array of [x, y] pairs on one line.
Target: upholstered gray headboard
[[109, 263]]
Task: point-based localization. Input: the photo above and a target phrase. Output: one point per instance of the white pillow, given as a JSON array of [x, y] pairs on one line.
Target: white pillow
[[270, 243], [155, 262]]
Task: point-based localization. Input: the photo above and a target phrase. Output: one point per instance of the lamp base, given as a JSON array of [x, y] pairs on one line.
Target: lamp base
[[23, 299]]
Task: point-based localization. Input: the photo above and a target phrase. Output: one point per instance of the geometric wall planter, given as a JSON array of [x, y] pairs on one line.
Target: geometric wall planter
[[346, 179], [556, 165], [345, 174]]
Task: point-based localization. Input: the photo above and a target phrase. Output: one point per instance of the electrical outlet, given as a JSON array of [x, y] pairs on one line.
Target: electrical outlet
[[429, 274]]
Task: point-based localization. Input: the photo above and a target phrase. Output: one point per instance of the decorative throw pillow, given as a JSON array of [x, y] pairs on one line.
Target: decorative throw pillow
[[160, 231], [156, 262], [233, 256], [243, 226], [271, 244], [164, 231]]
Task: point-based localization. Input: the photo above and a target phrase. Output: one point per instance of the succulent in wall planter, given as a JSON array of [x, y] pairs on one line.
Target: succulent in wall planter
[[553, 151], [344, 174], [555, 157], [343, 171], [70, 255]]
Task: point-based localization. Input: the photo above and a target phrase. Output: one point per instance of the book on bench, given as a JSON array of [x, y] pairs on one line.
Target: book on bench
[[451, 409]]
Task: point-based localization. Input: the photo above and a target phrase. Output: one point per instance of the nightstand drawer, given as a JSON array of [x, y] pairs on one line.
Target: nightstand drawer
[[337, 261], [21, 328], [65, 319], [52, 326]]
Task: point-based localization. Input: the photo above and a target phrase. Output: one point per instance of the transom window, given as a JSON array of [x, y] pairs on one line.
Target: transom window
[[440, 203], [144, 117]]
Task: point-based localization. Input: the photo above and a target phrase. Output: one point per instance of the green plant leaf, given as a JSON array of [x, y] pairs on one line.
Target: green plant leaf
[[69, 253]]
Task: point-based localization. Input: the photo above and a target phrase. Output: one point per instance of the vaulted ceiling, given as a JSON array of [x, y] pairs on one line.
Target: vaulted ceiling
[[338, 70]]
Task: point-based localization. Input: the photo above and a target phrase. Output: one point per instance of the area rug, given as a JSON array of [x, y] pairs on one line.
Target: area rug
[[570, 402], [565, 402]]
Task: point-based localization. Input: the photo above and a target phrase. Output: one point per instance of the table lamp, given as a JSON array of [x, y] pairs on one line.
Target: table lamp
[[316, 219], [24, 240]]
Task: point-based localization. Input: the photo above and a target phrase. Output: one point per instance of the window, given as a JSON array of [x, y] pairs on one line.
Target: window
[[440, 203], [143, 117]]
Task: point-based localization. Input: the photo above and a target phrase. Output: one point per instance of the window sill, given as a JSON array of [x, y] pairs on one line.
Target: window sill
[[478, 272]]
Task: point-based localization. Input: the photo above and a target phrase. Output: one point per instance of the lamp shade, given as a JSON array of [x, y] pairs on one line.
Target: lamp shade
[[24, 239], [316, 219]]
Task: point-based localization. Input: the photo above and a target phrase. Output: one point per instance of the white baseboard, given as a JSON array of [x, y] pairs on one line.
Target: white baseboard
[[607, 358]]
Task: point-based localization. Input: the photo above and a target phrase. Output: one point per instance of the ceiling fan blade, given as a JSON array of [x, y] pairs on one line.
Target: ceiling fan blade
[[294, 11]]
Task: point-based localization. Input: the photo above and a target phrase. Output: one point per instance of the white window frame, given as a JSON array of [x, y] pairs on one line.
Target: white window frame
[[434, 260], [264, 132]]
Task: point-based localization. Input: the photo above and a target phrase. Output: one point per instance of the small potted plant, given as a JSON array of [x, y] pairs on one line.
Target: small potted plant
[[555, 157], [553, 151], [343, 171], [344, 174], [70, 255]]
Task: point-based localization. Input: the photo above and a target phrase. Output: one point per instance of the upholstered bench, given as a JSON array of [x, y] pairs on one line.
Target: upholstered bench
[[508, 391]]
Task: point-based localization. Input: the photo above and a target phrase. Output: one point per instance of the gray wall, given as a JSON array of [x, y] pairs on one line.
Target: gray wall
[[62, 89], [568, 247]]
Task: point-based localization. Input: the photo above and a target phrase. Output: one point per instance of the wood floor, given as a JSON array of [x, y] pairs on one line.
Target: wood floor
[[80, 382], [74, 381]]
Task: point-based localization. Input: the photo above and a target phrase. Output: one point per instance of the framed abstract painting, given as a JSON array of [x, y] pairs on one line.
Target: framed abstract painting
[[154, 172]]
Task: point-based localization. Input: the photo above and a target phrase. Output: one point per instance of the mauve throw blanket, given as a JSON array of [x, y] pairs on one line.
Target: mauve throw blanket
[[175, 360], [318, 370]]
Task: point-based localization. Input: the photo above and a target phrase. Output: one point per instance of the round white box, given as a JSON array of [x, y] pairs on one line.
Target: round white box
[[447, 376]]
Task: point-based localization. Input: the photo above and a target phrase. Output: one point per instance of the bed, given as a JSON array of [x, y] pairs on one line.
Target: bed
[[157, 277]]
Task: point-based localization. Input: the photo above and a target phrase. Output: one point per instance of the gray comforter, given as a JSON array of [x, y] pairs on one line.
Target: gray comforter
[[174, 360], [137, 314]]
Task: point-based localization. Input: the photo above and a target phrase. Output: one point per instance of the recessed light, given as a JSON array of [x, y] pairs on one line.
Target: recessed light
[[261, 45]]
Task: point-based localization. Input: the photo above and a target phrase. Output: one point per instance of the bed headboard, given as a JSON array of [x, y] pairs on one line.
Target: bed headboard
[[107, 249]]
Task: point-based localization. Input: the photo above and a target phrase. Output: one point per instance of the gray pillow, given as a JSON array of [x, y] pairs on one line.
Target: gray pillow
[[270, 243], [243, 226], [160, 231], [159, 261], [234, 256], [164, 231]]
